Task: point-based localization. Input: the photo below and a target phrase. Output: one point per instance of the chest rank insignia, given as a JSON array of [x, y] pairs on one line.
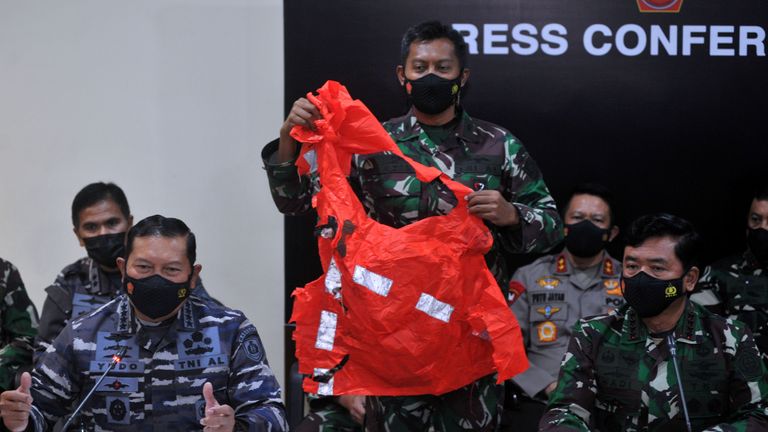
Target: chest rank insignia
[[547, 331], [612, 287], [548, 311], [608, 267], [670, 291], [548, 282], [562, 265]]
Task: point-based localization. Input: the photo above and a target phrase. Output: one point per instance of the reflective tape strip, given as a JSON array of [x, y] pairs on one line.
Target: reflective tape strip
[[434, 307], [326, 331], [333, 280], [374, 282], [324, 389], [311, 158]]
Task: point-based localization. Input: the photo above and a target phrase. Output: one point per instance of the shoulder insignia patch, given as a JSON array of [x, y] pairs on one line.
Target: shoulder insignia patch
[[612, 287]]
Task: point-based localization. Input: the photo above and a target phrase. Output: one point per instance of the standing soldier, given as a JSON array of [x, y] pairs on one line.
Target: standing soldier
[[737, 286], [188, 360], [510, 196], [581, 281], [19, 325], [661, 362]]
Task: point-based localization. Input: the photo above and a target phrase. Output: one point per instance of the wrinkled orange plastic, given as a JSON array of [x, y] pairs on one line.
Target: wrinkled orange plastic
[[392, 348]]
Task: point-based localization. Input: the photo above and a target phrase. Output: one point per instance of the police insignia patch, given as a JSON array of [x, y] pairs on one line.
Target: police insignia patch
[[547, 331], [612, 287], [548, 282], [548, 311], [253, 350]]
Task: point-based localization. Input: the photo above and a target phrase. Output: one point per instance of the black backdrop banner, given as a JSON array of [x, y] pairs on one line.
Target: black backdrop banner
[[664, 101]]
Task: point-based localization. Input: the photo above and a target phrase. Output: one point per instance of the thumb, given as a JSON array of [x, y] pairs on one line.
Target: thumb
[[210, 401], [26, 383]]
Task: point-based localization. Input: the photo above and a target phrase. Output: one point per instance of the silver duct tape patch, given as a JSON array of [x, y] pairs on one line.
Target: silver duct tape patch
[[326, 332], [374, 282], [333, 280], [324, 389], [311, 158], [434, 307]]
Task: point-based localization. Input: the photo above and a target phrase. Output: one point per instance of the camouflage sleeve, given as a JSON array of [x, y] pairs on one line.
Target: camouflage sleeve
[[292, 193], [55, 383], [19, 325], [253, 390], [56, 311], [748, 382], [540, 226], [707, 292], [570, 405], [534, 379]]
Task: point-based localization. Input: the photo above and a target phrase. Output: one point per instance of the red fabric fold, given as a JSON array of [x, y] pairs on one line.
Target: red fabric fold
[[401, 340]]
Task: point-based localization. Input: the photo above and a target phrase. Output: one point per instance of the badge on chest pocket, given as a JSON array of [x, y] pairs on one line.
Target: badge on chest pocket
[[200, 349]]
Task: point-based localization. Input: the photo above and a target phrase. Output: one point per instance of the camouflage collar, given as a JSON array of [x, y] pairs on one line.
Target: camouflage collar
[[186, 319], [407, 128], [750, 264], [688, 327]]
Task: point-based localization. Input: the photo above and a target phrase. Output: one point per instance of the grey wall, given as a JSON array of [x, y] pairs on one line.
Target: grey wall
[[170, 99]]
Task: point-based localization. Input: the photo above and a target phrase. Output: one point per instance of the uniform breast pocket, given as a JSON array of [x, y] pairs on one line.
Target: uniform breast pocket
[[390, 190], [548, 324], [118, 400], [480, 172]]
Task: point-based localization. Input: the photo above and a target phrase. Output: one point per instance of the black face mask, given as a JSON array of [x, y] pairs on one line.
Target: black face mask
[[432, 94], [156, 296], [757, 239], [585, 239], [106, 249], [649, 296]]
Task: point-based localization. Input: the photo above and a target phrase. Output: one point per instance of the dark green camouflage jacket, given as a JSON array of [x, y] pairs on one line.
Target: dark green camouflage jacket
[[479, 154], [737, 287], [616, 377], [19, 325]]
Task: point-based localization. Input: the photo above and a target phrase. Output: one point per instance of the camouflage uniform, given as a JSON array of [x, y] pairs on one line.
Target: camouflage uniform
[[19, 325], [158, 385], [737, 287], [80, 288], [478, 154], [556, 296], [617, 377], [327, 415]]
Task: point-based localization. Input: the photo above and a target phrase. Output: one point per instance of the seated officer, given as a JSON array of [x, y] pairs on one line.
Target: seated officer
[[100, 219], [189, 360], [580, 281], [619, 374], [18, 326], [737, 286]]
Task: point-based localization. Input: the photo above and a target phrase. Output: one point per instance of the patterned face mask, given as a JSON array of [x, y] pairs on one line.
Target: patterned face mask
[[650, 296], [432, 94], [156, 296]]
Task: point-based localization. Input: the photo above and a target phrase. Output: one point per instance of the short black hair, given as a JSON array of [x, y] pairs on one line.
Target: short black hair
[[97, 192], [158, 225], [594, 189], [433, 30], [688, 245], [761, 193]]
